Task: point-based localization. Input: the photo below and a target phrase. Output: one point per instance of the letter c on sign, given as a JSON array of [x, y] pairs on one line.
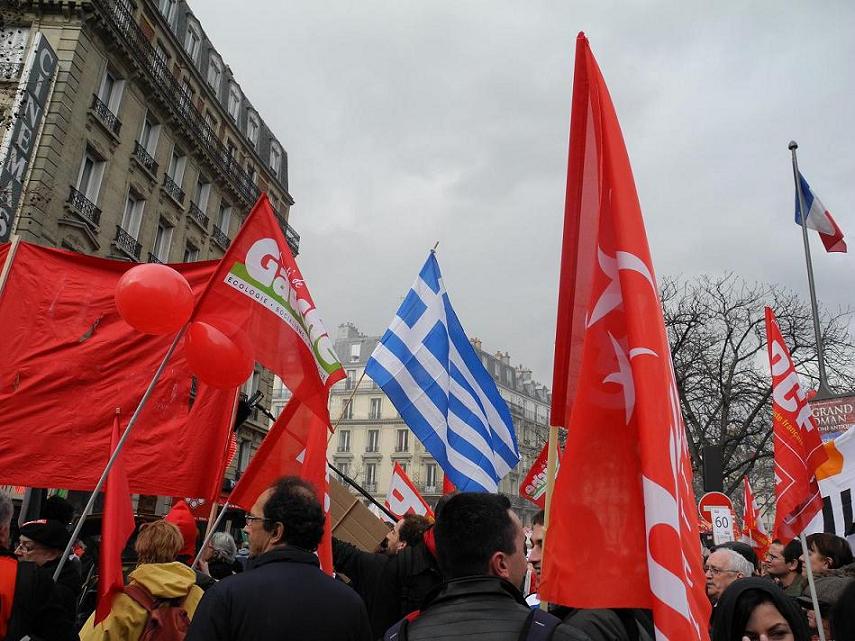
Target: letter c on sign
[[262, 261]]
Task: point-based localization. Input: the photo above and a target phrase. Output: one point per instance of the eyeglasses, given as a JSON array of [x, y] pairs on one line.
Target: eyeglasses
[[716, 571], [249, 518], [26, 546]]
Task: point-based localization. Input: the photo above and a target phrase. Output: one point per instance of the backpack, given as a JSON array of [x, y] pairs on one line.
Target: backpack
[[8, 579], [538, 626], [167, 618]]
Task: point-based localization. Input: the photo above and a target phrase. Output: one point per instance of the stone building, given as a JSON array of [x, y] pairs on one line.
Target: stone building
[[140, 146]]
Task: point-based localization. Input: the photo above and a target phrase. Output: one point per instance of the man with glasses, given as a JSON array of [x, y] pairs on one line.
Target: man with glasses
[[283, 591], [783, 563], [722, 568]]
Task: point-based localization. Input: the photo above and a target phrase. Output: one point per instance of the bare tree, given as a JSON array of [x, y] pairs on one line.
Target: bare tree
[[716, 328]]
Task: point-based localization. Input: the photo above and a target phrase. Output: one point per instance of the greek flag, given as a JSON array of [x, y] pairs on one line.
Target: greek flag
[[426, 366]]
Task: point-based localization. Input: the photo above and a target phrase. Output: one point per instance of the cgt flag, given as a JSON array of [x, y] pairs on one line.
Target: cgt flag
[[625, 491], [798, 446], [533, 486], [403, 497]]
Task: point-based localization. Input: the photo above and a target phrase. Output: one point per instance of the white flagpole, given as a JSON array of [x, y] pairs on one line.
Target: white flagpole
[[806, 557]]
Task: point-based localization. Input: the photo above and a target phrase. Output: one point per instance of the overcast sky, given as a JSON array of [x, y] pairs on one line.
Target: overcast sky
[[408, 123]]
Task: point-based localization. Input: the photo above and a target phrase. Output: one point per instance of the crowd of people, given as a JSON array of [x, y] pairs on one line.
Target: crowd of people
[[467, 575]]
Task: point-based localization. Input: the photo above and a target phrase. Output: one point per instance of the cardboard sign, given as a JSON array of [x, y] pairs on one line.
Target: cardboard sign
[[351, 521], [722, 524]]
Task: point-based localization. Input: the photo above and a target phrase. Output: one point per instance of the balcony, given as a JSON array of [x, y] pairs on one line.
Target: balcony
[[81, 205], [154, 259], [220, 237], [370, 486], [293, 239], [144, 159], [198, 216], [430, 489], [107, 117], [171, 187], [127, 243]]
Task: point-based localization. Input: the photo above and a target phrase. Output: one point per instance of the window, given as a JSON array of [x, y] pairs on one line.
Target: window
[[234, 101], [149, 135], [225, 218], [275, 157], [402, 444], [244, 454], [132, 216], [252, 127], [374, 413], [430, 477], [344, 468], [177, 163], [215, 72], [191, 253], [211, 120], [201, 193], [347, 408], [187, 89], [193, 41], [167, 9], [373, 441], [250, 171], [162, 57], [110, 91], [350, 381], [403, 467], [252, 383], [344, 441], [371, 477], [162, 242], [90, 175], [354, 352]]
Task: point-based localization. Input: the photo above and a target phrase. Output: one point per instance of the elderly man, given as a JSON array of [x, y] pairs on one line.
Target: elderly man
[[283, 592], [722, 568]]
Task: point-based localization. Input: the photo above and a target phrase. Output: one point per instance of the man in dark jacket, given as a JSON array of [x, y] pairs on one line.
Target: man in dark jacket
[[480, 546], [34, 608], [283, 593]]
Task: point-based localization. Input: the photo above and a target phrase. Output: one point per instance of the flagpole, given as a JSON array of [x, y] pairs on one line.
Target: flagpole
[[7, 266], [346, 405], [806, 557], [210, 533], [92, 497], [823, 391], [356, 486], [551, 457]]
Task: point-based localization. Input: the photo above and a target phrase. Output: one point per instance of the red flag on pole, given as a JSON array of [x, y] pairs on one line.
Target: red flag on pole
[[625, 489], [533, 486], [798, 446], [294, 446], [116, 528], [403, 497], [753, 530]]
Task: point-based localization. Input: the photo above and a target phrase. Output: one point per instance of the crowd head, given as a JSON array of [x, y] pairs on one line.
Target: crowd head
[[288, 513], [723, 567], [408, 531], [158, 542], [756, 608], [827, 552]]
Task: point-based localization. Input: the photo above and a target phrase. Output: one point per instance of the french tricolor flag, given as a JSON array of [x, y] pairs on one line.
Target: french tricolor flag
[[819, 219]]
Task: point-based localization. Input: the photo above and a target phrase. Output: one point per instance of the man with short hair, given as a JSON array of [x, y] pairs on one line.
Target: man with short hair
[[784, 565], [480, 547], [407, 531], [722, 568], [283, 591], [535, 555]]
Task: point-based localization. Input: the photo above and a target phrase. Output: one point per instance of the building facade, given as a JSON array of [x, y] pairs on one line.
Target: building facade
[[146, 149], [371, 436]]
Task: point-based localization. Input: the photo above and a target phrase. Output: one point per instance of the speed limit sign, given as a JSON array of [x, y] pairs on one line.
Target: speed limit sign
[[722, 524]]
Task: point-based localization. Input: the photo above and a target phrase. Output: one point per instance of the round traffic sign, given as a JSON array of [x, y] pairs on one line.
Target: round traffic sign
[[713, 499]]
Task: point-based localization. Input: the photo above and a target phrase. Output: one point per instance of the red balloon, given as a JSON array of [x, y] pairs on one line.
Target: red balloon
[[221, 358], [154, 299]]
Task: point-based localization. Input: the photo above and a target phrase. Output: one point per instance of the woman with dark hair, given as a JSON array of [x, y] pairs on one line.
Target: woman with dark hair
[[757, 610], [827, 552]]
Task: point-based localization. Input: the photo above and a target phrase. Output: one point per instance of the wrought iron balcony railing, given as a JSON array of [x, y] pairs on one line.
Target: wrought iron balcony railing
[[144, 158], [83, 206], [172, 188], [370, 486], [220, 237], [107, 117], [430, 489], [153, 259], [127, 243], [198, 216]]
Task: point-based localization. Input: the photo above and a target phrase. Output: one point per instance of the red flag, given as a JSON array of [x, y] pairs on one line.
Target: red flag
[[259, 289], [625, 491], [403, 496], [752, 527], [533, 486], [294, 446], [116, 528], [798, 446], [64, 347]]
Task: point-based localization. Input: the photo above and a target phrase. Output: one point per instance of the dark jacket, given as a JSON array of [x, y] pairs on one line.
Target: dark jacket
[[480, 608], [36, 608], [69, 585], [725, 624], [391, 586], [283, 594], [612, 624]]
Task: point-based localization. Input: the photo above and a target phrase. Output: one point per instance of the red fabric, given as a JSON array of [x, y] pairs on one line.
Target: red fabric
[[625, 488], [403, 497], [8, 579], [181, 516], [798, 446], [752, 526], [430, 541], [67, 360], [533, 486], [116, 528], [294, 446], [259, 288], [447, 485]]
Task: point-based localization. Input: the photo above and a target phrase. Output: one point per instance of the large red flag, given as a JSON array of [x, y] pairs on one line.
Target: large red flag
[[259, 289], [67, 359], [798, 446], [294, 446], [116, 528], [625, 489], [753, 530], [404, 497]]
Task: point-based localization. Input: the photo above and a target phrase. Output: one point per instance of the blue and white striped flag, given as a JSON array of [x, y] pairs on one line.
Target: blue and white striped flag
[[431, 373]]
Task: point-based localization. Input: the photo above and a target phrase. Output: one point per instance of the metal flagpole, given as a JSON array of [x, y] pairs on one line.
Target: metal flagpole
[[210, 533], [823, 391], [806, 556], [91, 503], [551, 460], [346, 405]]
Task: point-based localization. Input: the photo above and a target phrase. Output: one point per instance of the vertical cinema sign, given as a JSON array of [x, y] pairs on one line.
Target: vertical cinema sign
[[28, 115]]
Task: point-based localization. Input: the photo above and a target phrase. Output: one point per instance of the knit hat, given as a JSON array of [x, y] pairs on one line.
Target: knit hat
[[47, 532], [181, 516]]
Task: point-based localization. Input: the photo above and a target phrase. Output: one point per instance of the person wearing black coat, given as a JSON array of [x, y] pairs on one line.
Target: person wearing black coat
[[283, 593], [733, 612]]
